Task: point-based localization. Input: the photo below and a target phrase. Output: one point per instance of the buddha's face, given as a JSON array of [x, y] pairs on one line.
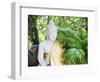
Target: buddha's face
[[51, 31]]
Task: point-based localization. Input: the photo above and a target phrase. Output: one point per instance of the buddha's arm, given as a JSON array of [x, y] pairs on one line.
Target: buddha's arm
[[41, 60]]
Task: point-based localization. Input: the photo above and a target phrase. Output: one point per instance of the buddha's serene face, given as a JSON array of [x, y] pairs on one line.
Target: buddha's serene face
[[51, 31]]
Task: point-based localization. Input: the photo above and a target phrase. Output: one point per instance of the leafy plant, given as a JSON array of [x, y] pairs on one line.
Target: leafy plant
[[74, 44]]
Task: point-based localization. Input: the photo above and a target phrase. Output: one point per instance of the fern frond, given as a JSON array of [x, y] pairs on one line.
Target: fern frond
[[74, 56], [70, 37]]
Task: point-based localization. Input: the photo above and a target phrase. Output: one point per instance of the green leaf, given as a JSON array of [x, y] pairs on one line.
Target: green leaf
[[74, 56]]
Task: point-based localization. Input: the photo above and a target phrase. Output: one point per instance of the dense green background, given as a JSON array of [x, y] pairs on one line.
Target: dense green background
[[72, 34]]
